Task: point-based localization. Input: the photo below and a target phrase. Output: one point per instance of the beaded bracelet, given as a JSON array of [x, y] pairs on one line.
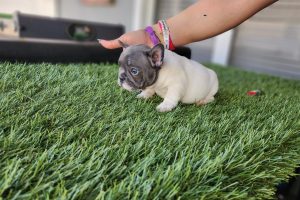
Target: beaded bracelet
[[166, 34]]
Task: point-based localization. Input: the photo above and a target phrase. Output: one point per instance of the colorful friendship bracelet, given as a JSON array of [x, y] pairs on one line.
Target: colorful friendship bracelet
[[166, 34]]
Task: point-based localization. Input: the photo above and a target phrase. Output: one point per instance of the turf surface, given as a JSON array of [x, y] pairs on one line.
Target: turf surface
[[69, 132]]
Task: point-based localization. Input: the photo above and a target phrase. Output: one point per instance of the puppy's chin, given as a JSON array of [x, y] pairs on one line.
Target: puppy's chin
[[127, 87]]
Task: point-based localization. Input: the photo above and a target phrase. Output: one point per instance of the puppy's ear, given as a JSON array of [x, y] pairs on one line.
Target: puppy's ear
[[156, 55], [124, 45]]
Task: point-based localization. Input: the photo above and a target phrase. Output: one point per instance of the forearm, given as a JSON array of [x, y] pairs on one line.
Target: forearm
[[208, 18]]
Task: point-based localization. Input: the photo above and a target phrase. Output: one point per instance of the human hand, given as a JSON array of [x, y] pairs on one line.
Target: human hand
[[130, 38]]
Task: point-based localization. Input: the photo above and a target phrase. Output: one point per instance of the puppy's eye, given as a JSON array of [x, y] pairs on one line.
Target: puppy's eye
[[134, 71]]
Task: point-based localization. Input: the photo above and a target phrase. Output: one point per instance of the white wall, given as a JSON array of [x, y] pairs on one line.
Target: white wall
[[39, 7], [144, 13], [120, 13]]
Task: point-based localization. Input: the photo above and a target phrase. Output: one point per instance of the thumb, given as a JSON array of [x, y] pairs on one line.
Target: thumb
[[109, 44]]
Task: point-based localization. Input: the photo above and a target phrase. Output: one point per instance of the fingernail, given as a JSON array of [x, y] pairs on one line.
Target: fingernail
[[99, 40]]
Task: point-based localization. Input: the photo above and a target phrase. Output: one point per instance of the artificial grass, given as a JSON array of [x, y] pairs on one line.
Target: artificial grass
[[70, 132]]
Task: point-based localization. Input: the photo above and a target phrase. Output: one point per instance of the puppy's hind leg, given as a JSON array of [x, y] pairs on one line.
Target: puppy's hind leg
[[210, 97], [205, 101]]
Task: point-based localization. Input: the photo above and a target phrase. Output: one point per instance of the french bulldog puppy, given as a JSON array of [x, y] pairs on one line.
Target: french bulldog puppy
[[171, 76]]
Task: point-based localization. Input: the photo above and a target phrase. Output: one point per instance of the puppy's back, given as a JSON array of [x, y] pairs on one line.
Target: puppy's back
[[199, 81]]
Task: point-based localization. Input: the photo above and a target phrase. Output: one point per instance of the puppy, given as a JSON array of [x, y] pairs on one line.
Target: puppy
[[160, 71]]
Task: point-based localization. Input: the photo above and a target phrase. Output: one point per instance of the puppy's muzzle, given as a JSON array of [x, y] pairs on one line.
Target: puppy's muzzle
[[122, 79]]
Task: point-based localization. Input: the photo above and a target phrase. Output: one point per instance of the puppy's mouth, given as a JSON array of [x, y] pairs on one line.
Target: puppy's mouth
[[128, 85], [125, 85]]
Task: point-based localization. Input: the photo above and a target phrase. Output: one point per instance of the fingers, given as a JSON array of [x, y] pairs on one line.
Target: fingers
[[109, 44], [130, 38]]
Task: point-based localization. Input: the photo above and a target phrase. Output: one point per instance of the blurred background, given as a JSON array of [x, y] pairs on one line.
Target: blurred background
[[269, 42]]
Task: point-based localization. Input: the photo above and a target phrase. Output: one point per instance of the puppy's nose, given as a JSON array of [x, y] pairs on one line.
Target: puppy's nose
[[122, 78]]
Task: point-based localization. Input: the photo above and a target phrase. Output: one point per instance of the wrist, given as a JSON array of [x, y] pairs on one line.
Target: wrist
[[158, 33], [166, 34]]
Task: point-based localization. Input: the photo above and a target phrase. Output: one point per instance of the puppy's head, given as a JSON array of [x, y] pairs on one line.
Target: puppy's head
[[139, 66]]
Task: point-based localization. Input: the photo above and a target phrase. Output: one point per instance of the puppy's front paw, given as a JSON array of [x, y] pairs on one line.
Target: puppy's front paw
[[165, 107]]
